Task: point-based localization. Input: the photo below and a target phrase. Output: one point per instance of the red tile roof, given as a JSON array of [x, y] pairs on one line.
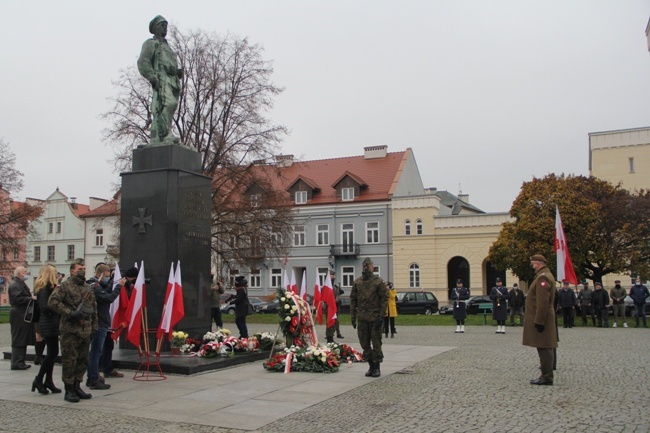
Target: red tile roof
[[109, 208], [379, 174]]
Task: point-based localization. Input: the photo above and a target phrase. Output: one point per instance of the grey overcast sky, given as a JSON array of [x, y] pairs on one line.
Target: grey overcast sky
[[487, 93]]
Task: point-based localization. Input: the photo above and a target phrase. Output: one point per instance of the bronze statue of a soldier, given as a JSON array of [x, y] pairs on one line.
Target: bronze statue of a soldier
[[158, 64]]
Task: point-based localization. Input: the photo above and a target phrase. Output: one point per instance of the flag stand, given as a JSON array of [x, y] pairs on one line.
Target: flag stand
[[144, 372]]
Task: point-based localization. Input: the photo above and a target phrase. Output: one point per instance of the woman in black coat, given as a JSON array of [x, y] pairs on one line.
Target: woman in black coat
[[22, 333], [242, 305], [49, 325]]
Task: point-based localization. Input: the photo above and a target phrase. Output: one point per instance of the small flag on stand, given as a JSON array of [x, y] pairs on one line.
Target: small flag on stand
[[303, 286], [317, 300], [327, 296]]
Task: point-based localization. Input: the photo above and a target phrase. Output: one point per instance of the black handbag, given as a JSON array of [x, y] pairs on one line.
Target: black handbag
[[32, 313]]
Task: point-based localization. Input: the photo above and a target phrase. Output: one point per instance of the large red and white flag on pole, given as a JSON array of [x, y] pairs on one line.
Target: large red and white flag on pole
[[327, 296], [317, 300], [303, 286], [174, 309], [294, 286], [134, 311], [565, 269]]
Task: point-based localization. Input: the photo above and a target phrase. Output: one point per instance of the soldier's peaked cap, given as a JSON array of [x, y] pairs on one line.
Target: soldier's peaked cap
[[157, 19]]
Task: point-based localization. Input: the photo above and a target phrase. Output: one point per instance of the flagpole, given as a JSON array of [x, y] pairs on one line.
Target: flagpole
[[159, 343]]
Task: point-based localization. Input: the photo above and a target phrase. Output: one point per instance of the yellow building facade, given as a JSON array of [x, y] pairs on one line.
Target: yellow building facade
[[433, 246]]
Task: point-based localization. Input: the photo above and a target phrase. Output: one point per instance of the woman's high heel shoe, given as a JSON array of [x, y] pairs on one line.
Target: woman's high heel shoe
[[38, 384]]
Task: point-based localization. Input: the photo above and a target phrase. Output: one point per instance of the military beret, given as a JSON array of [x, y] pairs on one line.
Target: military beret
[[157, 19], [565, 282], [538, 258]]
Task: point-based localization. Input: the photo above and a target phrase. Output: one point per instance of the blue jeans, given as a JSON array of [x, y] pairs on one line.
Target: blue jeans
[[96, 348]]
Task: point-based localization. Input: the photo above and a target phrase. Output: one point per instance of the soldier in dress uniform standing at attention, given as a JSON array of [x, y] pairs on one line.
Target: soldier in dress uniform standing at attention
[[459, 295], [499, 297]]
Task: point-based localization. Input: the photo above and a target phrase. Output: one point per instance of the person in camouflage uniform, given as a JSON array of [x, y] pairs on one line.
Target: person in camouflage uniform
[[368, 300], [75, 302]]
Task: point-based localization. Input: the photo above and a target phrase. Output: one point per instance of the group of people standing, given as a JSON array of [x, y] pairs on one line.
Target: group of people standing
[[74, 311], [594, 303]]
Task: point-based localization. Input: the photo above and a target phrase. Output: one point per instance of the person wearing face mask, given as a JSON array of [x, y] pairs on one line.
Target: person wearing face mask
[[74, 301], [368, 302], [104, 295], [22, 333], [639, 293], [617, 295]]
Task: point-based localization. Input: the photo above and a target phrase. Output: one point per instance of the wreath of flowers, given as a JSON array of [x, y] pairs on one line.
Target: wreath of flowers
[[295, 318], [222, 343], [314, 359]]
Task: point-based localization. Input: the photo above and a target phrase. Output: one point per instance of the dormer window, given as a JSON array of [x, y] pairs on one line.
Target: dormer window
[[301, 197], [255, 200], [347, 194]]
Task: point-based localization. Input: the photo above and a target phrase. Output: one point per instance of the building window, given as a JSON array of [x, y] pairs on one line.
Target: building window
[[255, 200], [372, 233], [99, 237], [58, 227], [407, 227], [631, 164], [15, 251], [50, 227], [347, 276], [301, 197], [37, 254], [418, 226], [256, 279], [347, 194], [322, 234], [50, 253], [299, 236], [70, 252], [347, 237], [276, 239], [322, 275], [276, 278], [414, 276], [231, 277], [376, 270]]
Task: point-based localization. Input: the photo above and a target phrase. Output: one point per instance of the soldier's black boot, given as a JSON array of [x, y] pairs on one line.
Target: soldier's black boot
[[376, 372], [70, 394], [370, 369], [80, 392]]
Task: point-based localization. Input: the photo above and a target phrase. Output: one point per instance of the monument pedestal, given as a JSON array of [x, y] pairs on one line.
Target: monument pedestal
[[166, 217]]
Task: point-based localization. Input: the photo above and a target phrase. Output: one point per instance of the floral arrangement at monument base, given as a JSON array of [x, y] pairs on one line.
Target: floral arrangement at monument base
[[314, 359]]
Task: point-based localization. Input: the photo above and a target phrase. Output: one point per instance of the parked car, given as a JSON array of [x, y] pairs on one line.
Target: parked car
[[629, 307], [416, 303], [474, 305], [255, 303], [267, 307]]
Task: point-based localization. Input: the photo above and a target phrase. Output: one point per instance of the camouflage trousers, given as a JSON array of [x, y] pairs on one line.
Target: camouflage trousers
[[370, 340], [74, 357]]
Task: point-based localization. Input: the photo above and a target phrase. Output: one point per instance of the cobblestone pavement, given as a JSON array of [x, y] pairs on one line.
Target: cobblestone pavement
[[481, 386]]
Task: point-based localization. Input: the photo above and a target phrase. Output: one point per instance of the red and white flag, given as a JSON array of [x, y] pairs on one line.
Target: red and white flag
[[173, 310], [565, 269], [317, 300], [327, 296], [303, 286], [286, 282], [294, 286], [134, 311], [115, 305]]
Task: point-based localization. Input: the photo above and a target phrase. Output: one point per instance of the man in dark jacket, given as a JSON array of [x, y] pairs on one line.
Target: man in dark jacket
[[104, 295], [22, 333], [600, 301], [242, 305], [516, 300], [617, 295], [639, 293], [567, 303]]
